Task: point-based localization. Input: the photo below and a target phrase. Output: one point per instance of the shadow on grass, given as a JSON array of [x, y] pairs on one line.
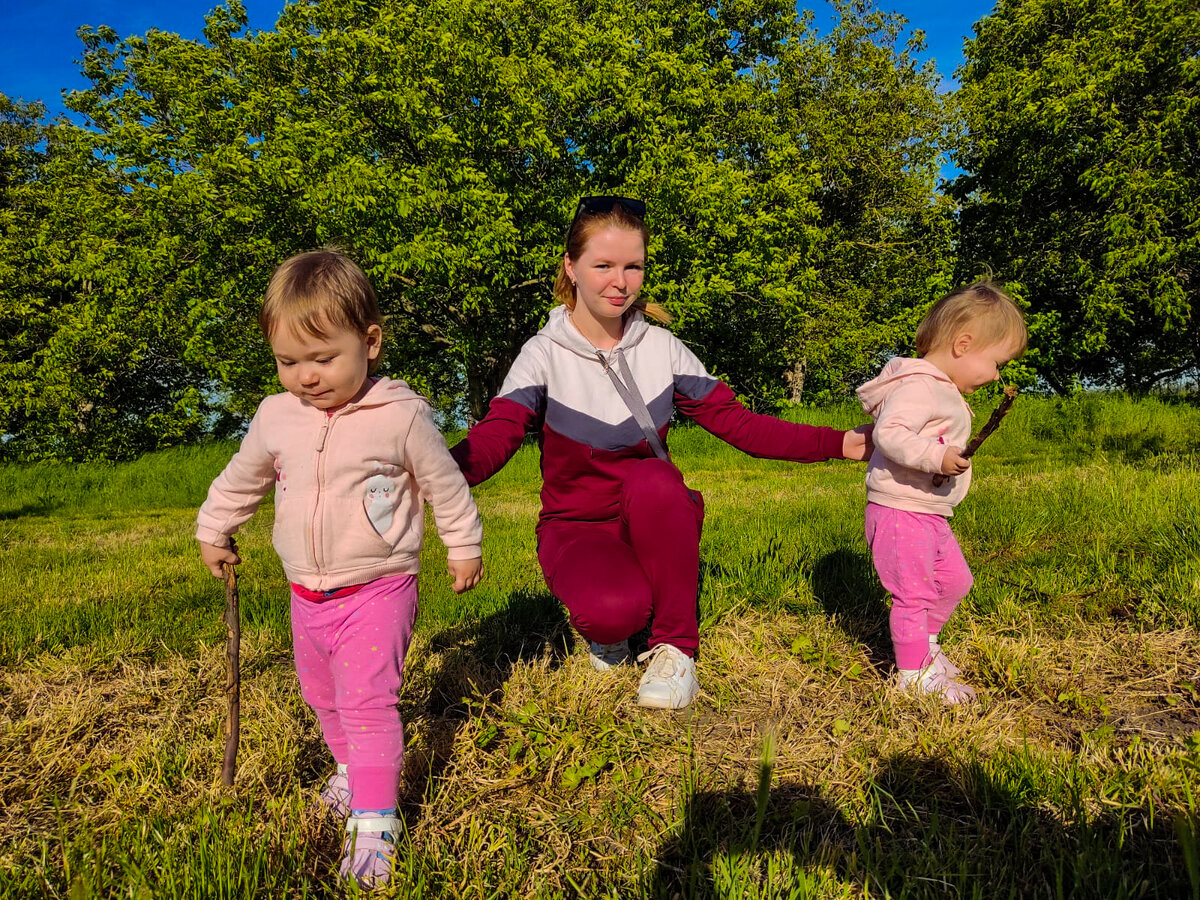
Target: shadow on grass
[[931, 831], [42, 507], [473, 661], [845, 585]]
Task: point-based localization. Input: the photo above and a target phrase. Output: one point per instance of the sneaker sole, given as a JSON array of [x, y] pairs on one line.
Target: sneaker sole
[[663, 703]]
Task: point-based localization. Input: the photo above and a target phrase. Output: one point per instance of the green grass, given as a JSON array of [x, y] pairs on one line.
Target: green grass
[[798, 773]]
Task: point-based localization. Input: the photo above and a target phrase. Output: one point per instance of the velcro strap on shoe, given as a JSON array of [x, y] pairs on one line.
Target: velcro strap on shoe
[[373, 823]]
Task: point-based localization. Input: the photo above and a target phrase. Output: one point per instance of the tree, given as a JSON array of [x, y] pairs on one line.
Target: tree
[[444, 144], [801, 236], [91, 359], [1082, 181], [869, 120]]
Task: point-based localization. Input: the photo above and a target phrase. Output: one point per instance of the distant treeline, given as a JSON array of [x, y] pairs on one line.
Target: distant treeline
[[800, 227]]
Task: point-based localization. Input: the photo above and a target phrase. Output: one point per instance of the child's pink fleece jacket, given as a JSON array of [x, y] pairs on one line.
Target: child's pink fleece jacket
[[918, 413], [349, 487]]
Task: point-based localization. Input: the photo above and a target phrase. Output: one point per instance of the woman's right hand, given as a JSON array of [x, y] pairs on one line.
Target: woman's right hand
[[213, 556], [857, 444]]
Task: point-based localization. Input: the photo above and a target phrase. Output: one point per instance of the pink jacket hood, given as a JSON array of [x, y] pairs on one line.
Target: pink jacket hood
[[875, 391]]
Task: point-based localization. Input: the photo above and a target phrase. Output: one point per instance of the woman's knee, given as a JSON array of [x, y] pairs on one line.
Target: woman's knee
[[609, 615]]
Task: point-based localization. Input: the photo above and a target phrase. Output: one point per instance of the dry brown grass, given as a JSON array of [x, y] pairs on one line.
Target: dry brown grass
[[528, 770]]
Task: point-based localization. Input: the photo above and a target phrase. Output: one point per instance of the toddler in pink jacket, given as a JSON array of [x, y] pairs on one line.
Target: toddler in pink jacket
[[352, 458], [922, 425]]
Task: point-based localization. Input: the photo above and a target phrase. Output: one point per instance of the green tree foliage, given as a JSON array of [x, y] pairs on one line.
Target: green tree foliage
[[89, 353], [1083, 180], [444, 144], [799, 239]]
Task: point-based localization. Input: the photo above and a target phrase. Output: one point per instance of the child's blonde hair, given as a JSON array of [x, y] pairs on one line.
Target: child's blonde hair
[[319, 291], [981, 308], [583, 228]]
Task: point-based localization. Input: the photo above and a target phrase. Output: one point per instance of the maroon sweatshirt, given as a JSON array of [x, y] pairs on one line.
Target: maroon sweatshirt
[[558, 389]]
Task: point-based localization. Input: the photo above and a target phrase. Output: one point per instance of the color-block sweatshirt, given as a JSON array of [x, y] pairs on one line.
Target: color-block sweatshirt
[[558, 388], [349, 487], [918, 413]]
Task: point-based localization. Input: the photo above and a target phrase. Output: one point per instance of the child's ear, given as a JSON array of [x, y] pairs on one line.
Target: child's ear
[[962, 343], [374, 341]]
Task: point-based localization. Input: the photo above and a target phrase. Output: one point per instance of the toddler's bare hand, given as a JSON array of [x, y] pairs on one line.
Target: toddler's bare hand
[[213, 556], [466, 573], [953, 462]]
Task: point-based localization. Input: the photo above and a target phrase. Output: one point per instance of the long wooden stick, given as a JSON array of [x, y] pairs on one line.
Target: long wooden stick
[[1010, 394], [233, 675]]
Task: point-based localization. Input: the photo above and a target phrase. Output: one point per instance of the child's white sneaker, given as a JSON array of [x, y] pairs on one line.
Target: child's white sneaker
[[670, 679], [604, 656], [933, 680], [370, 850]]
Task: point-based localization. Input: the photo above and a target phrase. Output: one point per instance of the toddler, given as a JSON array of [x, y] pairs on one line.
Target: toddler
[[922, 425], [351, 457]]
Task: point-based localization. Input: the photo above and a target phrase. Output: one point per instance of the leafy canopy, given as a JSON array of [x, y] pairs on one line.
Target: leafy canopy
[[790, 179], [1083, 183]]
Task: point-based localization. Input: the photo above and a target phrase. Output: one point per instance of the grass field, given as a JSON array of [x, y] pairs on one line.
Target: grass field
[[798, 773]]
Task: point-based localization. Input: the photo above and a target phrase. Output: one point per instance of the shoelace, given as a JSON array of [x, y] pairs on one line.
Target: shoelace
[[662, 664]]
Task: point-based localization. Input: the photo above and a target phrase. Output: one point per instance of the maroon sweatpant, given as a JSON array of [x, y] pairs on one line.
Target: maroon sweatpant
[[614, 577]]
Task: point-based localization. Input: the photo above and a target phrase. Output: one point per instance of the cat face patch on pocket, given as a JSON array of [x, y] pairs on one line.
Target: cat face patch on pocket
[[380, 499]]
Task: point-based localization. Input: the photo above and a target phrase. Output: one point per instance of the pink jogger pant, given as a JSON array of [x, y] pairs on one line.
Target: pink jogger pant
[[614, 577], [350, 659], [922, 566]]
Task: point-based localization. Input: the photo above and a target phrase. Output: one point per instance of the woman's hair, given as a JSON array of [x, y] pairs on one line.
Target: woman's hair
[[318, 292], [981, 308], [586, 225]]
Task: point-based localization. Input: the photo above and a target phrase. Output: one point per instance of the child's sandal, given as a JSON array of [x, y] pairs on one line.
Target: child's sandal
[[942, 662], [336, 793], [370, 850], [933, 680]]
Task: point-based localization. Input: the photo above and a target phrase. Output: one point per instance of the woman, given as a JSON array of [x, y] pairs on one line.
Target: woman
[[619, 531]]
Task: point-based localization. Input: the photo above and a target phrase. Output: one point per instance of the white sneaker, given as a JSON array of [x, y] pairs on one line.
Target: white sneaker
[[604, 656], [670, 679]]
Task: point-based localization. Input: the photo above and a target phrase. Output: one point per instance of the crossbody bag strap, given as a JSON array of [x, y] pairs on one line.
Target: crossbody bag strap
[[637, 406]]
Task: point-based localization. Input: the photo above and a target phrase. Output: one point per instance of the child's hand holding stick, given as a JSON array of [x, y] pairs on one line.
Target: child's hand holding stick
[[1010, 394], [233, 678]]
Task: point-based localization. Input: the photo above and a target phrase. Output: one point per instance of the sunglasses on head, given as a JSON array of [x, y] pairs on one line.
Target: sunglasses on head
[[595, 205]]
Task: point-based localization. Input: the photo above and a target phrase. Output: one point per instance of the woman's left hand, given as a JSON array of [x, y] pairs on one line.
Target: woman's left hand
[[857, 443]]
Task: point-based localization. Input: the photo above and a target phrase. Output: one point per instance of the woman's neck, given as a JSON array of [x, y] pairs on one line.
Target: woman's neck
[[603, 334]]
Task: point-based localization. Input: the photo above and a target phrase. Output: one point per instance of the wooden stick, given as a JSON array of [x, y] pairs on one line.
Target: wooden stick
[[233, 675], [1010, 394]]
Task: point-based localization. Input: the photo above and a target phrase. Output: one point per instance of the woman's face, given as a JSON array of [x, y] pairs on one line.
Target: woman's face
[[608, 274]]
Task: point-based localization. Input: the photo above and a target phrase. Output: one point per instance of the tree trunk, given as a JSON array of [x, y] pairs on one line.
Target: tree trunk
[[795, 379], [485, 376]]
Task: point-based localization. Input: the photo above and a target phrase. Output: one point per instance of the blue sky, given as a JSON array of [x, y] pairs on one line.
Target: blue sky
[[38, 46]]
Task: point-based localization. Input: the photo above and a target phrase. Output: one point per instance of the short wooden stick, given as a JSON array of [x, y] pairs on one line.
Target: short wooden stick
[[1010, 394]]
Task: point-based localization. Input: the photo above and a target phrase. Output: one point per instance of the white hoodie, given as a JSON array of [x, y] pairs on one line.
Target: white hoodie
[[918, 413]]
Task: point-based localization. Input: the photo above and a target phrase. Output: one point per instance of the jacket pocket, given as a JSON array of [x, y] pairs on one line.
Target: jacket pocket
[[381, 498]]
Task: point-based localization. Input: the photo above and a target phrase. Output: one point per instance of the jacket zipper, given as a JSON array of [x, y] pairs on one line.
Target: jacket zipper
[[318, 562]]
